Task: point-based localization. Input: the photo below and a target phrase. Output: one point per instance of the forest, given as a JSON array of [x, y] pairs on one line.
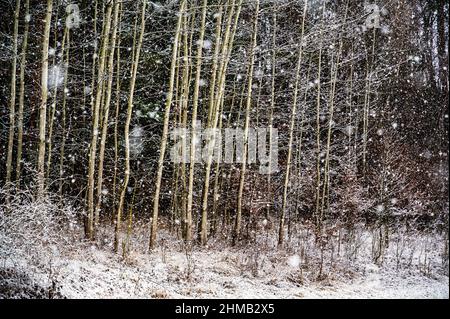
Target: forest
[[224, 149]]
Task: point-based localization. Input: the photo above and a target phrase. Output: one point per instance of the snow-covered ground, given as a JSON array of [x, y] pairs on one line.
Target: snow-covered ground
[[97, 273], [39, 258], [217, 275]]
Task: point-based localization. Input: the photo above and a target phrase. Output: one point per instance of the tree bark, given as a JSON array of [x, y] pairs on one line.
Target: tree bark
[[237, 227], [291, 130], [106, 112], [95, 124], [154, 221], [127, 126], [23, 64], [12, 101], [194, 123], [44, 97]]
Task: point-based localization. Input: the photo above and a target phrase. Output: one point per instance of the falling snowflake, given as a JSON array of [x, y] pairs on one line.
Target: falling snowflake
[[137, 140], [380, 208], [294, 261], [55, 76]]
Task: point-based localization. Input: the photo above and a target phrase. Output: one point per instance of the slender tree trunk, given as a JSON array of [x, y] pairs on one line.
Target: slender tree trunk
[[442, 44], [187, 74], [127, 242], [12, 101], [350, 114], [23, 64], [177, 118], [127, 127], [106, 111], [116, 119], [318, 105], [334, 75], [94, 56], [64, 120], [300, 140], [53, 106], [211, 118], [366, 109], [95, 124], [227, 48], [216, 183], [237, 227], [428, 35], [154, 222], [291, 131], [220, 99], [272, 107], [44, 96], [194, 123]]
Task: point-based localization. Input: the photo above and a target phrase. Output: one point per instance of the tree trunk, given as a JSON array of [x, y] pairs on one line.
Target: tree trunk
[[154, 222], [127, 127], [237, 227], [64, 105], [44, 96], [442, 45], [23, 64], [291, 130], [12, 101], [227, 48], [194, 123], [95, 124], [106, 112], [318, 105], [334, 75]]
